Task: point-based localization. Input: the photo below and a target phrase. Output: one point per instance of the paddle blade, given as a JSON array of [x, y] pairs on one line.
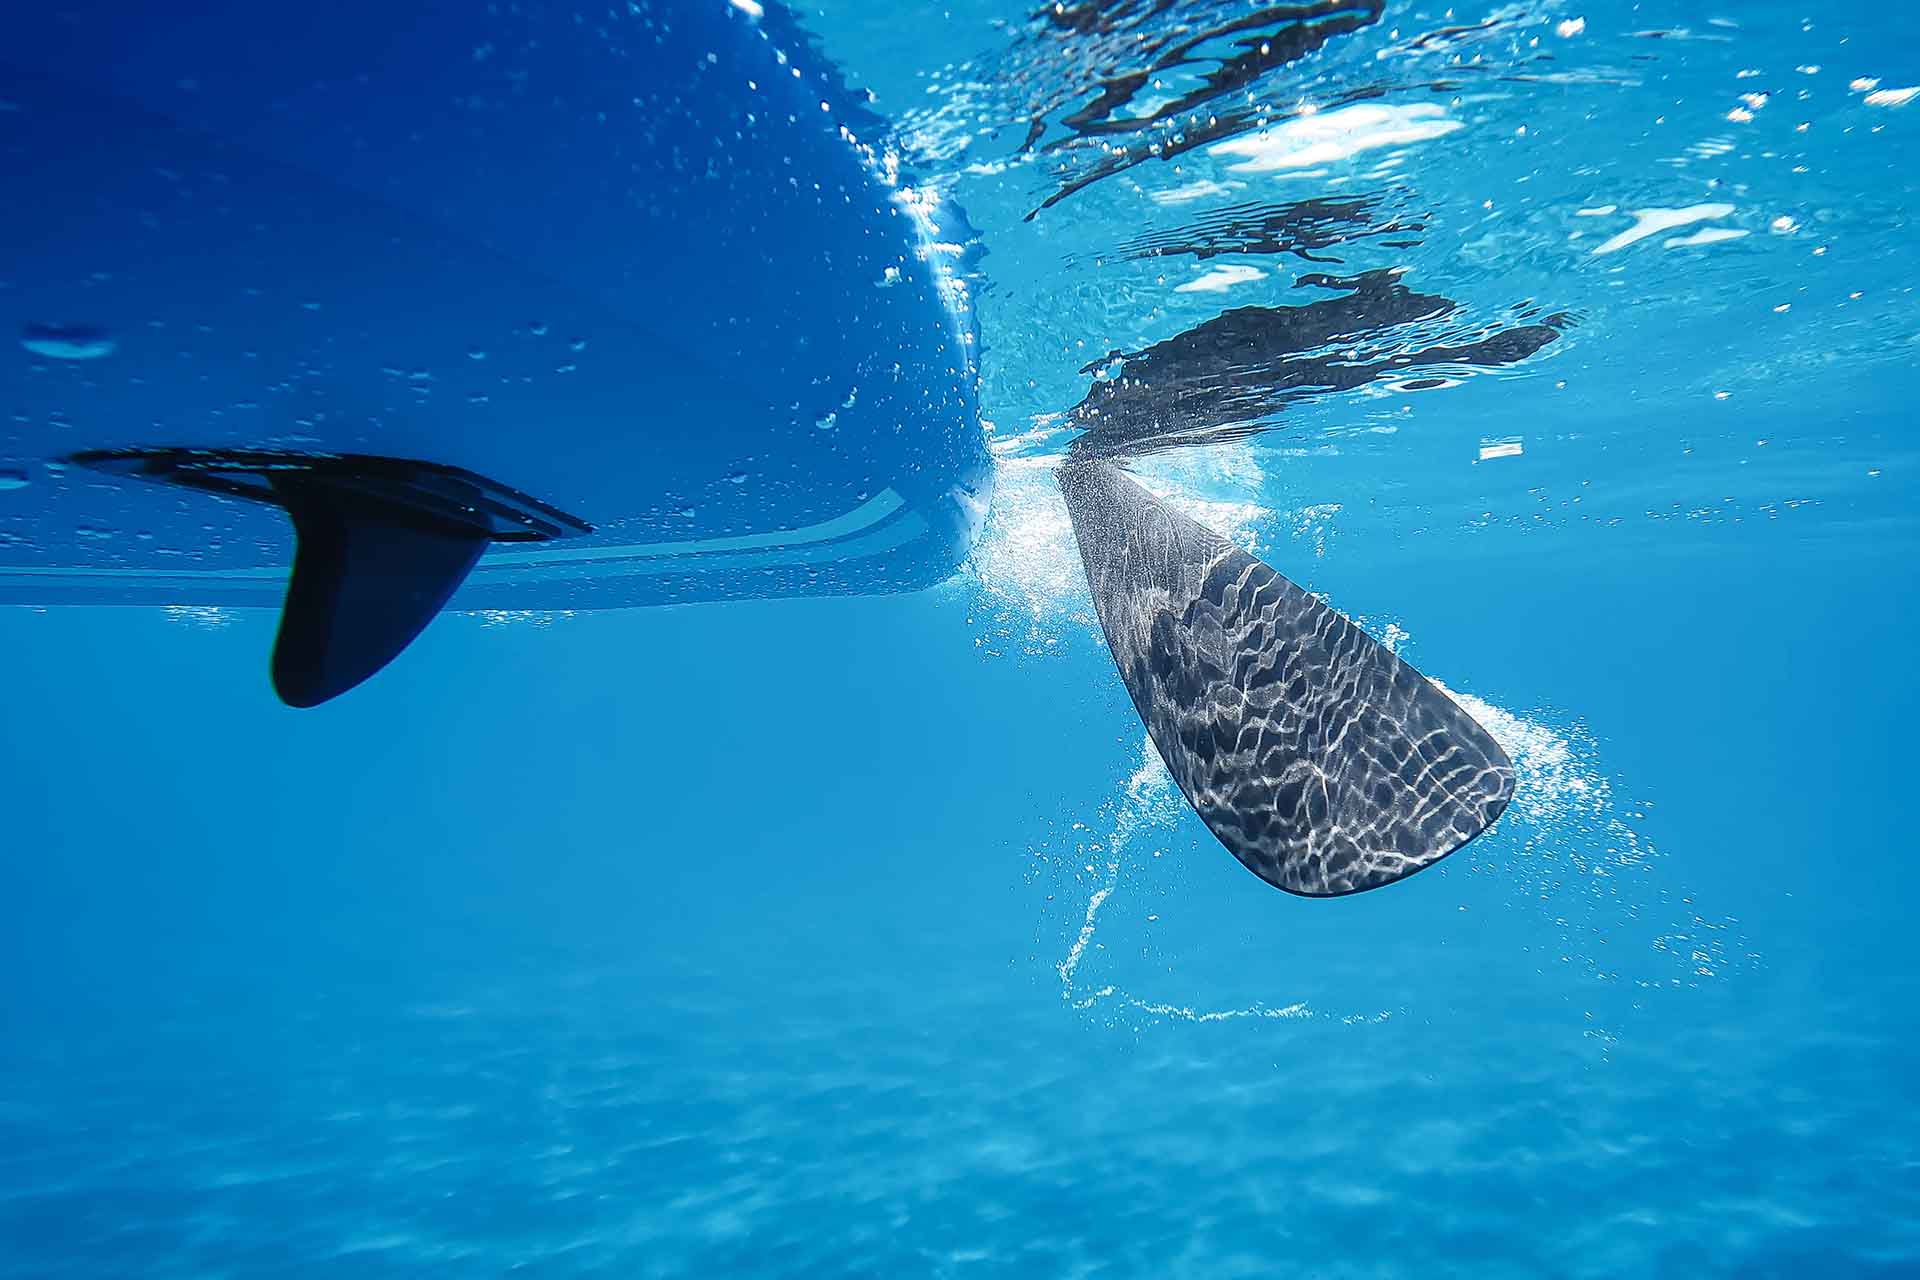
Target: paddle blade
[[1322, 762]]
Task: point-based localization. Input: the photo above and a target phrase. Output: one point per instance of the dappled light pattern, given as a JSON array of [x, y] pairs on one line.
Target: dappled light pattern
[[1320, 760]]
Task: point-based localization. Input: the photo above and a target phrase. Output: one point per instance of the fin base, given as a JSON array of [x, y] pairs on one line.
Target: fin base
[[416, 490]]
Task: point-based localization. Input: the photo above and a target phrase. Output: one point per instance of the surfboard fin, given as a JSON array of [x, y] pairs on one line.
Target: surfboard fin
[[381, 544], [1324, 763], [366, 580]]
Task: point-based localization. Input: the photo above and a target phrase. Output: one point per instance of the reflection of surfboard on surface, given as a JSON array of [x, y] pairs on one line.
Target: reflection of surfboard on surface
[[538, 306]]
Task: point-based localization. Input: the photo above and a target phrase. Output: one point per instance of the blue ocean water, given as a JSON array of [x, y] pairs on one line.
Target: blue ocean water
[[867, 937]]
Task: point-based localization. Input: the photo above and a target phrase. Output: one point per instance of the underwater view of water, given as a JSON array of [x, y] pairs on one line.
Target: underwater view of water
[[1567, 346]]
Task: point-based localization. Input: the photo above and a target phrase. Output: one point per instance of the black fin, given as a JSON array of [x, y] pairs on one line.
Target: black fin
[[367, 578], [1320, 760], [382, 543]]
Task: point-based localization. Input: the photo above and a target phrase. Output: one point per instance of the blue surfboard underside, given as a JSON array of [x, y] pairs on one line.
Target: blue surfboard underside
[[644, 269]]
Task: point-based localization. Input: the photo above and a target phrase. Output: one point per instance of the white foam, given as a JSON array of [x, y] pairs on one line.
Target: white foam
[[1184, 479], [1710, 235], [1201, 189], [521, 617], [1314, 523], [60, 346], [1221, 279], [1072, 962], [1326, 137], [205, 617], [1578, 856], [1651, 222], [1892, 97], [1026, 559]]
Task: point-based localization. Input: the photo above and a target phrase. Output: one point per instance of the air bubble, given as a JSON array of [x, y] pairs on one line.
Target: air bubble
[[67, 341]]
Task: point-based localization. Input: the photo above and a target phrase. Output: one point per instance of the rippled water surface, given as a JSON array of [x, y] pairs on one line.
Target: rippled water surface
[[1568, 346]]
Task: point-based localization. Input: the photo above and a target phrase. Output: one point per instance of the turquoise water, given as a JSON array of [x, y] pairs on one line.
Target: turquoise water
[[866, 937]]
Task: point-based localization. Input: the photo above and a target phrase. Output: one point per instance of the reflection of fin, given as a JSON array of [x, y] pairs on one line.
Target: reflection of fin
[[366, 580], [1320, 760], [382, 544]]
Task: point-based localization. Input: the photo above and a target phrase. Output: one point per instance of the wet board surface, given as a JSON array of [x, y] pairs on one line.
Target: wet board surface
[[637, 265]]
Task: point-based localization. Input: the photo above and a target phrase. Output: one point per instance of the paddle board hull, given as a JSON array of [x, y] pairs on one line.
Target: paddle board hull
[[642, 264]]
